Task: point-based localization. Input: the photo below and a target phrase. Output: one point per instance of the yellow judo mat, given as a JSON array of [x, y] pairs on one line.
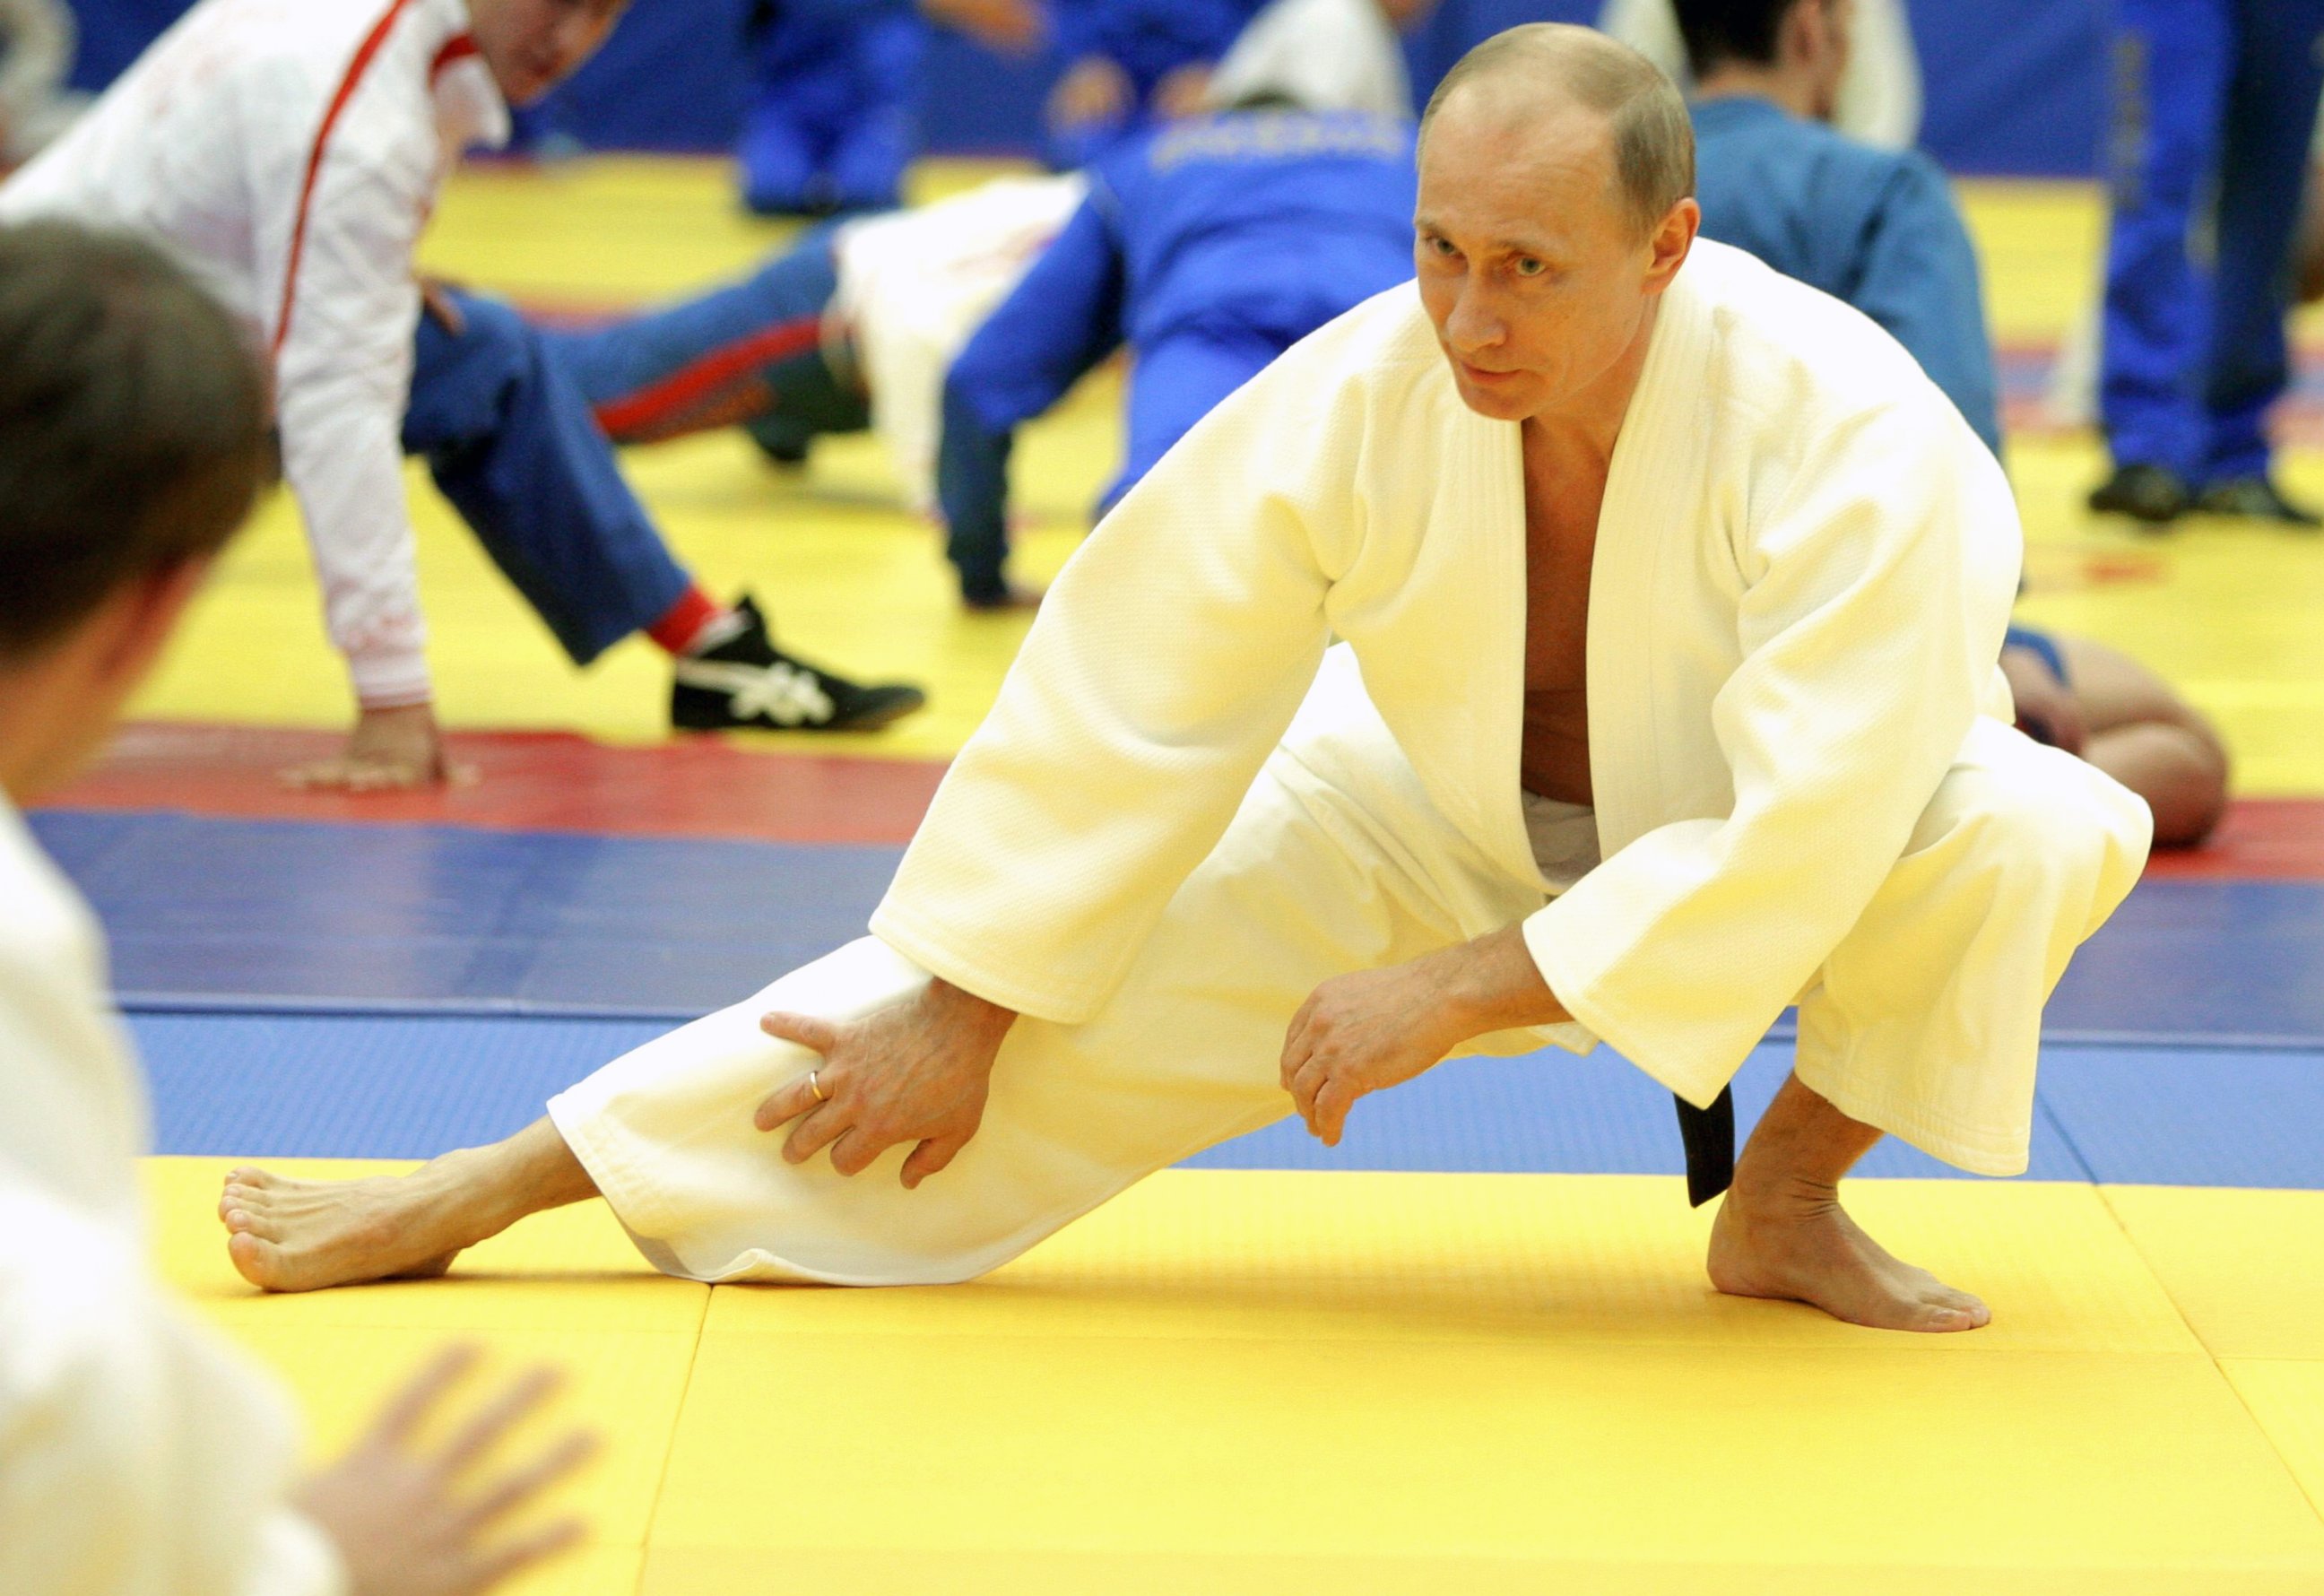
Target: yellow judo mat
[[2225, 610], [1273, 1384]]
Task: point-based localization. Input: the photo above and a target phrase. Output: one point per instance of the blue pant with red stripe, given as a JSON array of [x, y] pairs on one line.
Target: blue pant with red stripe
[[751, 354], [510, 439], [2216, 99]]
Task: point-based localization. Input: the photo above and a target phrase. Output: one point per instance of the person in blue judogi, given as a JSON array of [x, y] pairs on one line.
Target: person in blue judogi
[[1208, 247], [833, 117], [1875, 227], [832, 122], [1130, 63], [1879, 229], [2216, 101]]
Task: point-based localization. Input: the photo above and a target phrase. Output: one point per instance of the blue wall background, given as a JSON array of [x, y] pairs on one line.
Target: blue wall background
[[2013, 86]]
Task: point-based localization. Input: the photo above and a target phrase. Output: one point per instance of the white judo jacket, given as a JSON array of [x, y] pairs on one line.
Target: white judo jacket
[[1805, 564], [290, 152], [140, 1455]]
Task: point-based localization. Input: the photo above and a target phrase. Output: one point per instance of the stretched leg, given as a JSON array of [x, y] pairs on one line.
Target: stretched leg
[[1781, 1232], [717, 359], [512, 444], [2155, 743], [1926, 1023], [295, 1235]]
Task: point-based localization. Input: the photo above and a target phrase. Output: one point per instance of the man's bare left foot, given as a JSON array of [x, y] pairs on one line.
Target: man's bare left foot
[[298, 1235], [1802, 1247]]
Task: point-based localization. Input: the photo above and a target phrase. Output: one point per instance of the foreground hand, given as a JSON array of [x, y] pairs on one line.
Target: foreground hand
[[917, 1073], [390, 750], [402, 1523]]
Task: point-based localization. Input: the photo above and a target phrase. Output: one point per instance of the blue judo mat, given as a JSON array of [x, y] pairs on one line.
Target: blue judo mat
[[409, 1086]]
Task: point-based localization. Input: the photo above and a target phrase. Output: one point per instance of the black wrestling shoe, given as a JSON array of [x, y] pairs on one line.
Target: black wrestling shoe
[[2143, 492], [2254, 498], [744, 680]]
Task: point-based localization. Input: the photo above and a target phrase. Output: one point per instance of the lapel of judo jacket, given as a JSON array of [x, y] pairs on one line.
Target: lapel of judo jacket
[[1441, 633]]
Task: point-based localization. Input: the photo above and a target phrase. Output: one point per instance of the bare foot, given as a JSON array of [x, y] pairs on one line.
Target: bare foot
[[1802, 1247], [298, 1235]]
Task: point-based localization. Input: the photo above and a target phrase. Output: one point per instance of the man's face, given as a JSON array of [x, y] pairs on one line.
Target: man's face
[[1529, 265], [533, 45]]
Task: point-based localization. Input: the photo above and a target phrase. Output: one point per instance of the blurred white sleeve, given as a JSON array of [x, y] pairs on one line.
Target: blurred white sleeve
[[139, 1455]]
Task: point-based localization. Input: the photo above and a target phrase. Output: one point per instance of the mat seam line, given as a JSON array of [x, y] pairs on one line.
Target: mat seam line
[[2217, 1361], [669, 1450]]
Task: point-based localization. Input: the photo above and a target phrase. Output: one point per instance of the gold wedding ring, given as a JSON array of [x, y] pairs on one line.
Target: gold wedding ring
[[817, 1089]]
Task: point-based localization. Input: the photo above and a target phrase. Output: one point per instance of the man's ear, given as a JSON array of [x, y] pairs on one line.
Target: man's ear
[[1672, 238]]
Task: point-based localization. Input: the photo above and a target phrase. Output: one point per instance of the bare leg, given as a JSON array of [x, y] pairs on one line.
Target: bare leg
[[2151, 740], [1781, 1232], [296, 1235]]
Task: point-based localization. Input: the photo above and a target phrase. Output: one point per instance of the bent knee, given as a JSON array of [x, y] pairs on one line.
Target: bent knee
[[2039, 808]]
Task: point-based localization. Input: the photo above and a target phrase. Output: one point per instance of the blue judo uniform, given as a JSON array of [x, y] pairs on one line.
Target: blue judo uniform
[[1875, 227], [832, 120], [2213, 97], [513, 442], [1148, 40], [1208, 247]]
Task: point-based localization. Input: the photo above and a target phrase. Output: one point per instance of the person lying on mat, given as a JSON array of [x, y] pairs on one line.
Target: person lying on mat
[[292, 151], [1670, 591], [140, 1454], [1880, 230]]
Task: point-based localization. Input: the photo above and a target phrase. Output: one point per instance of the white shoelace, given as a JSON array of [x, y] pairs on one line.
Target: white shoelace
[[781, 691]]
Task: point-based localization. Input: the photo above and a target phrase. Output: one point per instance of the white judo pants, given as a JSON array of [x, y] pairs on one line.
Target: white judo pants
[[1336, 861]]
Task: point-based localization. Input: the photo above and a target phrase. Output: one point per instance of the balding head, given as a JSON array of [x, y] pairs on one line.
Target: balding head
[[1542, 68]]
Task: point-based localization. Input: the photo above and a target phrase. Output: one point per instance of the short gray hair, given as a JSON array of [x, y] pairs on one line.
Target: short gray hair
[[1654, 141]]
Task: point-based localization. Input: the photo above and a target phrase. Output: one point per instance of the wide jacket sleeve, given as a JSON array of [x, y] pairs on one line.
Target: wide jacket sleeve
[[1876, 589], [139, 1456], [343, 372], [1165, 666]]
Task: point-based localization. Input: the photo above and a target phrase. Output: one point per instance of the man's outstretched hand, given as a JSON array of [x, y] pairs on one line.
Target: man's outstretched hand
[[389, 751], [1378, 1028], [917, 1073]]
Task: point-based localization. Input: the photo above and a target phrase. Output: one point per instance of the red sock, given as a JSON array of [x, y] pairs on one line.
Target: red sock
[[695, 613]]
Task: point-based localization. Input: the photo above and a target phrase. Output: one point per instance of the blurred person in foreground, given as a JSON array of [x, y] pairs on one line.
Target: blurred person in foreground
[[140, 1454], [1880, 230], [2214, 114], [1206, 247], [290, 152], [1594, 639]]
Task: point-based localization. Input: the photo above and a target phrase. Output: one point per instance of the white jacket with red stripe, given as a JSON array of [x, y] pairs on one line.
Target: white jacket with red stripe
[[289, 151]]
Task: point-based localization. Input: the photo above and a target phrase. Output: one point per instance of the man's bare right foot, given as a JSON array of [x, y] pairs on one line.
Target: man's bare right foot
[[298, 1235], [1801, 1246]]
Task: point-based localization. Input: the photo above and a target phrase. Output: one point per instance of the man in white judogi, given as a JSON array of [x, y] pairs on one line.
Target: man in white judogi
[[1670, 591]]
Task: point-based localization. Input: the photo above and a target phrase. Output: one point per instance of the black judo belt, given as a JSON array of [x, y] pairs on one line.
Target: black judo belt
[[1709, 1136]]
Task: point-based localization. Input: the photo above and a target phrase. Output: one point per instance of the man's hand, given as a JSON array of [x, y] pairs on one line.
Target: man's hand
[[1183, 92], [412, 1521], [390, 750], [1093, 91], [917, 1073], [1015, 26], [2046, 706], [1380, 1027]]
